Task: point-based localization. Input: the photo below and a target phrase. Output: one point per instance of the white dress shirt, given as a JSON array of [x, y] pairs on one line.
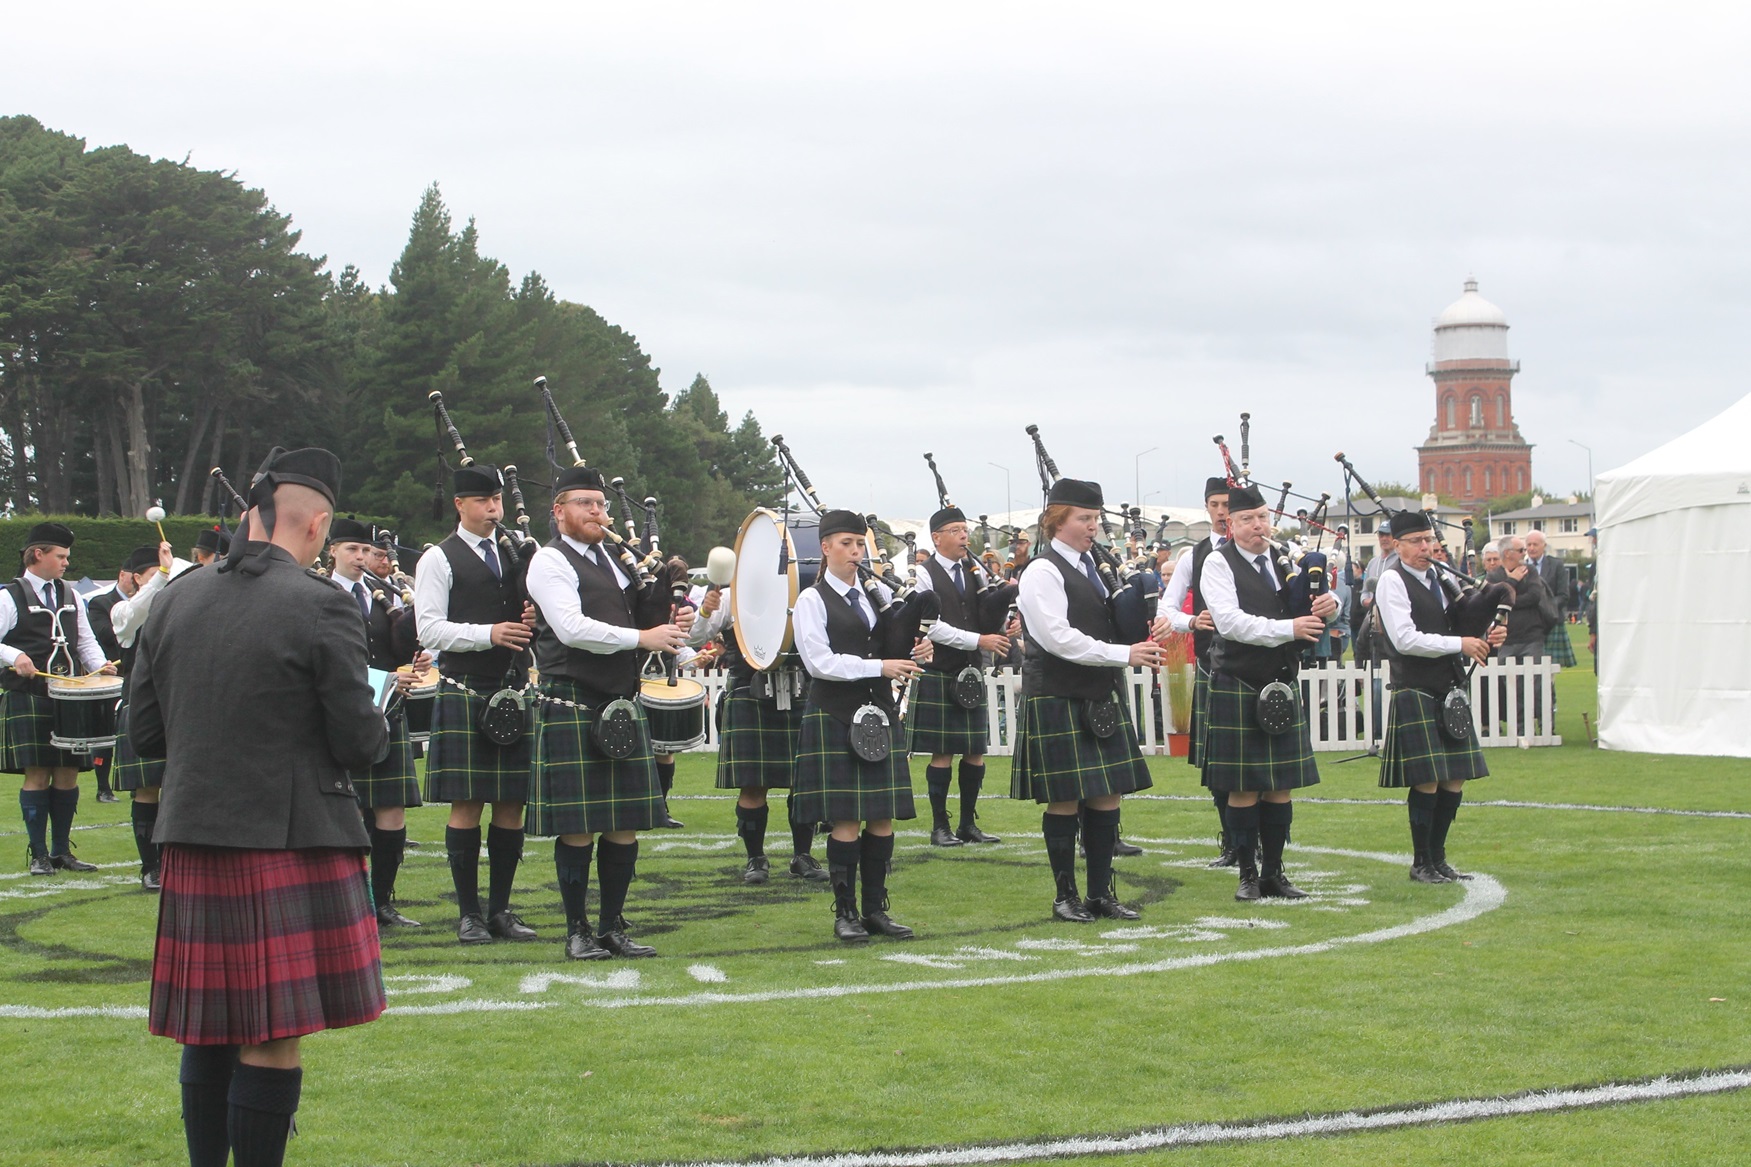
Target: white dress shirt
[[431, 601], [1395, 616], [129, 615], [808, 622], [87, 651], [1045, 611], [706, 628], [1232, 623], [942, 632], [1174, 598], [553, 586]]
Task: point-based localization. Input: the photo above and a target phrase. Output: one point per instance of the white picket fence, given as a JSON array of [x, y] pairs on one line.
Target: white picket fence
[[1345, 702]]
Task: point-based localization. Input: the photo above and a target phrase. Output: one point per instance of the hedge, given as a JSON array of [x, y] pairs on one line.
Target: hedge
[[101, 546]]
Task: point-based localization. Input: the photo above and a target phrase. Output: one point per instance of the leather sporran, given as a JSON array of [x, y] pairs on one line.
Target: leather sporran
[[1101, 718], [1277, 707], [505, 718], [1455, 719], [868, 734], [969, 688], [615, 730]]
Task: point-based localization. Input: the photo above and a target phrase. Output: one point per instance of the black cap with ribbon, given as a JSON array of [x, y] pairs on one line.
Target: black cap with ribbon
[[348, 529], [946, 516], [311, 467], [142, 559], [843, 523], [1074, 492], [578, 478], [54, 535], [213, 541], [1244, 498], [1215, 486]]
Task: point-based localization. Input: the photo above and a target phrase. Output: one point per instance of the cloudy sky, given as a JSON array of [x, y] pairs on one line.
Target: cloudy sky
[[925, 226]]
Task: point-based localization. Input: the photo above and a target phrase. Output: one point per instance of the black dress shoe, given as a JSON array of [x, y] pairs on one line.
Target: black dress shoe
[[507, 925], [943, 837], [1120, 847], [1110, 908], [583, 946], [106, 796], [1070, 909], [670, 822], [388, 917], [620, 944], [1249, 886], [881, 923], [1441, 868], [149, 881], [1424, 874], [809, 868], [472, 930], [1276, 885], [68, 863], [972, 834], [850, 929], [757, 870], [1227, 859], [40, 865]]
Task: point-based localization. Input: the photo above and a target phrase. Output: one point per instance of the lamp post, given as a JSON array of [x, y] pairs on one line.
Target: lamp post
[[1589, 450], [1008, 500], [1137, 471]]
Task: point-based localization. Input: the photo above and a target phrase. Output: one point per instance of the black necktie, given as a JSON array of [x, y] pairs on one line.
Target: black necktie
[[364, 600], [49, 596], [1436, 588], [492, 558], [1093, 575], [1265, 570], [856, 602]]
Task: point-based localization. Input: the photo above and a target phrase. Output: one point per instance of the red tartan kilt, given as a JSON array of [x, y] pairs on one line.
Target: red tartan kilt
[[254, 946]]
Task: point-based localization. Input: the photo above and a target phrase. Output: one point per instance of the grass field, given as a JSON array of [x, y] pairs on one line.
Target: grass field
[[1605, 945]]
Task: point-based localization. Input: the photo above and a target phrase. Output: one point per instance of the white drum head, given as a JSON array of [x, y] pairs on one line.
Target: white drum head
[[764, 590]]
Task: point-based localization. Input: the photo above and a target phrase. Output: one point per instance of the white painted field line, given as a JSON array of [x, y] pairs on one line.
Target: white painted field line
[[37, 1013], [1511, 803], [1205, 1133]]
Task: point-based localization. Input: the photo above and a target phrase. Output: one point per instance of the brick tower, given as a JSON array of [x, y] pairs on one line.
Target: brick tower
[[1475, 452]]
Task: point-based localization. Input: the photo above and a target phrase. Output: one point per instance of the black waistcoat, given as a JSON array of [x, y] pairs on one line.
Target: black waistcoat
[[1254, 663], [847, 636], [603, 675], [477, 598], [1431, 674], [33, 634], [1202, 638], [957, 612], [1045, 675], [97, 611]]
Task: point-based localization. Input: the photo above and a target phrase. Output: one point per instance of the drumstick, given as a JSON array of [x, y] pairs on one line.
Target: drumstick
[[155, 516]]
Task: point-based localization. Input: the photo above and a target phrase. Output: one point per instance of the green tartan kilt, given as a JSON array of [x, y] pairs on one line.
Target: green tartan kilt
[[393, 781], [833, 785], [131, 771], [939, 726], [1418, 752], [462, 764], [1238, 755], [26, 720], [1557, 645], [1057, 760], [578, 790], [1200, 714], [757, 742]]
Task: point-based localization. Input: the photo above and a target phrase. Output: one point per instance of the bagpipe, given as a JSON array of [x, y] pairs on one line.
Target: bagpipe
[[1132, 595], [994, 596], [517, 547], [1307, 572]]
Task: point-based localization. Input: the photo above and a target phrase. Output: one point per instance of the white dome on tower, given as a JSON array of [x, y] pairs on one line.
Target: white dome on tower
[[1471, 328]]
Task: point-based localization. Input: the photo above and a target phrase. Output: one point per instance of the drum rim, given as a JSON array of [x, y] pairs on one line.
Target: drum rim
[[787, 641], [677, 701], [107, 690]]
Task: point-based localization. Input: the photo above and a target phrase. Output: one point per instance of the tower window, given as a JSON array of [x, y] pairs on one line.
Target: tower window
[[1520, 479], [1451, 412], [1489, 482], [1502, 412], [1476, 412], [1468, 475]]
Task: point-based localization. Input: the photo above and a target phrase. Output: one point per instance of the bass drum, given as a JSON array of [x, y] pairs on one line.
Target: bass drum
[[764, 588]]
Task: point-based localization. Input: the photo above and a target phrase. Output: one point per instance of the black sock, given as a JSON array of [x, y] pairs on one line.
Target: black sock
[[34, 805], [1421, 808], [462, 844], [666, 778], [63, 805], [1274, 820], [101, 766], [843, 857], [504, 850], [877, 854], [936, 783], [802, 835], [572, 865], [1220, 798], [751, 828], [387, 848], [1243, 835], [615, 864], [1446, 810], [145, 817], [263, 1101], [1100, 831], [971, 779], [206, 1089], [1060, 833]]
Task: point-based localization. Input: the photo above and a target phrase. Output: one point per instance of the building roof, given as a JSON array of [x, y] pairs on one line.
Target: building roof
[[1471, 309], [1471, 329], [1550, 510]]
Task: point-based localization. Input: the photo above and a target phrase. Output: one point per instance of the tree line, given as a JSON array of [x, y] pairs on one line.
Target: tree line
[[157, 320]]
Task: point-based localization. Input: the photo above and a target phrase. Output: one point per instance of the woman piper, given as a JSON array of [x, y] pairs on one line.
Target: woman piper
[[1076, 748], [839, 635]]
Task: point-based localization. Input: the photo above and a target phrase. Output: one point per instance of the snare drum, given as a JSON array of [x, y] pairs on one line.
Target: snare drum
[[417, 707], [85, 712], [676, 713]]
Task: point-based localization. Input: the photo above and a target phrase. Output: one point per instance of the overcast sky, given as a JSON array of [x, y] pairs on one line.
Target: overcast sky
[[924, 227]]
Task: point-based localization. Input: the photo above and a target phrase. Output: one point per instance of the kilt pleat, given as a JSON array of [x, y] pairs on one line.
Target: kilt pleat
[[1200, 714], [131, 771], [833, 785], [757, 741], [1238, 755], [939, 725], [579, 790], [255, 946], [1058, 760], [393, 781], [462, 764], [1417, 752], [1557, 645], [26, 721]]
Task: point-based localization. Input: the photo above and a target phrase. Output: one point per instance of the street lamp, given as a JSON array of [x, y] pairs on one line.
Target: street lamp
[[1008, 499], [1137, 471], [1589, 450]]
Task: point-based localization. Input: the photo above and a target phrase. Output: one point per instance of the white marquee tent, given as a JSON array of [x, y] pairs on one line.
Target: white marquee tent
[[1675, 594]]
